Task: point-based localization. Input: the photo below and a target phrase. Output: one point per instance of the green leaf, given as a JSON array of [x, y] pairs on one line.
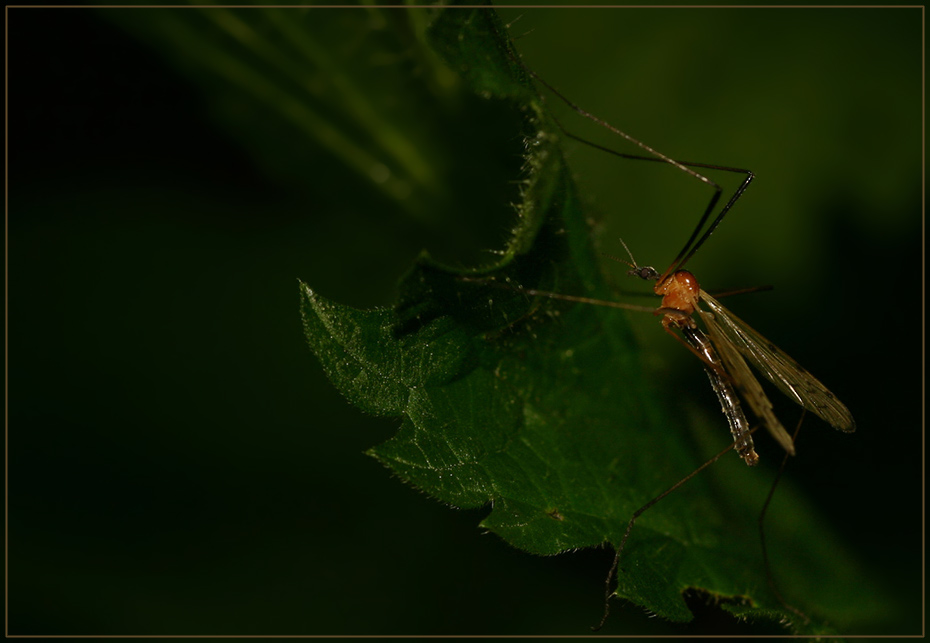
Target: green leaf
[[541, 410]]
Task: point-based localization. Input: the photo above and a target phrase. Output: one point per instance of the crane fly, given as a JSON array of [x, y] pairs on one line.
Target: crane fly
[[726, 342], [722, 341], [724, 349], [724, 346]]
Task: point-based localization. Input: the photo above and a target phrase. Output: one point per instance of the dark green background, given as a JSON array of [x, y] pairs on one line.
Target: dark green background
[[178, 461]]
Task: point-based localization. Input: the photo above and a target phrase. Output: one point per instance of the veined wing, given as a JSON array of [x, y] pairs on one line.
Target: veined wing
[[745, 382], [780, 369]]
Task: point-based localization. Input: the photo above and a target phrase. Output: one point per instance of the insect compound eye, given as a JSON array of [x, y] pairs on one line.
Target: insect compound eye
[[647, 273]]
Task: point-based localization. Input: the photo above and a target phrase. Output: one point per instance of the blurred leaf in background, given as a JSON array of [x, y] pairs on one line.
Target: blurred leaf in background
[[361, 99], [178, 463]]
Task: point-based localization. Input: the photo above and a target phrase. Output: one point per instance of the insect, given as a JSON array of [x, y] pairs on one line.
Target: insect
[[722, 342], [726, 342]]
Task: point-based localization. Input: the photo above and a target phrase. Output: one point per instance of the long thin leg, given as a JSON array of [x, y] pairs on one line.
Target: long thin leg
[[608, 592], [555, 295], [690, 246], [659, 155], [765, 552], [693, 242], [608, 304], [678, 265], [637, 157]]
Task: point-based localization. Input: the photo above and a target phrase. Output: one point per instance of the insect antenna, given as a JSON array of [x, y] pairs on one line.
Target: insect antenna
[[647, 273]]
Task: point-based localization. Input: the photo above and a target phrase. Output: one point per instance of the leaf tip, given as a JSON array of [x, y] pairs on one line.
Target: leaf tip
[[305, 290]]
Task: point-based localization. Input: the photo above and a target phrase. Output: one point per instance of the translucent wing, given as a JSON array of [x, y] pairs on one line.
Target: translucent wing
[[779, 368], [746, 383]]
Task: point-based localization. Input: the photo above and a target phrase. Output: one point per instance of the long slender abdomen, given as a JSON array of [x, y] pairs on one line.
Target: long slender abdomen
[[729, 402]]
